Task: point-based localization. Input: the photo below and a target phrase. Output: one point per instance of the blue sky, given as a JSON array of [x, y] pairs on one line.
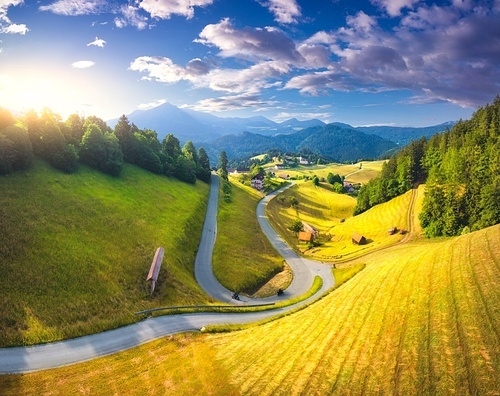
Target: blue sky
[[391, 62]]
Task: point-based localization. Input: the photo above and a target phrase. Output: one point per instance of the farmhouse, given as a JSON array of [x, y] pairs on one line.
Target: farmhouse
[[257, 182], [358, 239], [305, 236]]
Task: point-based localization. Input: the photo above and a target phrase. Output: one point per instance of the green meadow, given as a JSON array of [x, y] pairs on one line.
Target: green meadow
[[244, 259], [75, 250], [420, 319]]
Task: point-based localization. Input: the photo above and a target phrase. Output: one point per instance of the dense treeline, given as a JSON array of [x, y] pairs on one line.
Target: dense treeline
[[91, 141], [461, 169]]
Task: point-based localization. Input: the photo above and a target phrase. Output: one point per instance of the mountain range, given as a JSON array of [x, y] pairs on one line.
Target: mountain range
[[243, 137], [197, 126]]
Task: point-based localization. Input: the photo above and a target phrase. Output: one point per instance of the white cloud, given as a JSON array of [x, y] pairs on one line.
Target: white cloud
[[394, 7], [164, 9], [285, 11], [97, 42], [130, 16], [6, 25], [83, 64], [76, 7], [267, 43], [250, 80], [4, 6], [162, 69], [152, 105], [15, 29]]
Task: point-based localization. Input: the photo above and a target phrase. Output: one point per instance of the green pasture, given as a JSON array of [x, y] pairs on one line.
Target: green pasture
[[75, 250], [243, 258]]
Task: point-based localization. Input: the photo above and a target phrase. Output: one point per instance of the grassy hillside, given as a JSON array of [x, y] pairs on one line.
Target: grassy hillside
[[324, 209], [420, 319], [243, 259], [75, 250]]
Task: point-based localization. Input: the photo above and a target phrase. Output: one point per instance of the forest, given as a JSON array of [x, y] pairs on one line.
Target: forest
[[461, 170], [92, 142]]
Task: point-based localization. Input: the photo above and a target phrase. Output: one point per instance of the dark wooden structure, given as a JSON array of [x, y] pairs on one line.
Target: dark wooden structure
[[358, 239], [155, 268]]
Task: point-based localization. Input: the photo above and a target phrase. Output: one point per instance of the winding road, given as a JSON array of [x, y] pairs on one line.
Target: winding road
[[56, 354]]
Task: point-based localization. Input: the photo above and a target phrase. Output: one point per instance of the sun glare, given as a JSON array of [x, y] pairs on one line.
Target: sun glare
[[33, 92]]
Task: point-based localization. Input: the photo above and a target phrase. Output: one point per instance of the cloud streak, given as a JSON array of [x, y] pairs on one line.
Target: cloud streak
[[84, 64]]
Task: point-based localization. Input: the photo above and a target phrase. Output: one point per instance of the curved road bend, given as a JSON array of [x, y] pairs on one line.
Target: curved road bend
[[304, 270], [57, 354]]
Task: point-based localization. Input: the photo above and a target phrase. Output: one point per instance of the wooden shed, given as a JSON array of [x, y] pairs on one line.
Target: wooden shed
[[358, 239], [305, 236]]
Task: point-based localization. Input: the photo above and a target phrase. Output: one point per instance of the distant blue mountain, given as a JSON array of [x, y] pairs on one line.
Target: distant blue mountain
[[187, 124]]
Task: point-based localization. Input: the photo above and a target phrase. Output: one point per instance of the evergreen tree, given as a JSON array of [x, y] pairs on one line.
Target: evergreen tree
[[204, 172], [223, 165]]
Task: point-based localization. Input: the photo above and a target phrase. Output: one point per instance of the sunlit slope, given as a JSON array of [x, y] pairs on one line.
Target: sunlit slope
[[75, 250], [357, 174], [420, 319], [327, 210]]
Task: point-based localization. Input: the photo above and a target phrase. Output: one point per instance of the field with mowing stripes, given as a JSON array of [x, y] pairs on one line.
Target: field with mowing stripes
[[368, 171], [421, 319]]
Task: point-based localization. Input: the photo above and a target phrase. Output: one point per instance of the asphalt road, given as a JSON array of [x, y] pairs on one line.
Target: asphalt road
[[39, 357]]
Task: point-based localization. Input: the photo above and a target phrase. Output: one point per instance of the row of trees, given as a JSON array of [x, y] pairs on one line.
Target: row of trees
[[461, 169], [91, 141]]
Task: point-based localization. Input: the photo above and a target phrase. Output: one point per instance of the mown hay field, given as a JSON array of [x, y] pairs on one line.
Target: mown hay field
[[331, 214], [244, 259], [75, 250], [421, 319], [356, 172]]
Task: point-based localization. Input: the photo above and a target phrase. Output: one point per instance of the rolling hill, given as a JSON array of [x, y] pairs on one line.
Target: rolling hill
[[336, 142], [242, 137], [75, 249]]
